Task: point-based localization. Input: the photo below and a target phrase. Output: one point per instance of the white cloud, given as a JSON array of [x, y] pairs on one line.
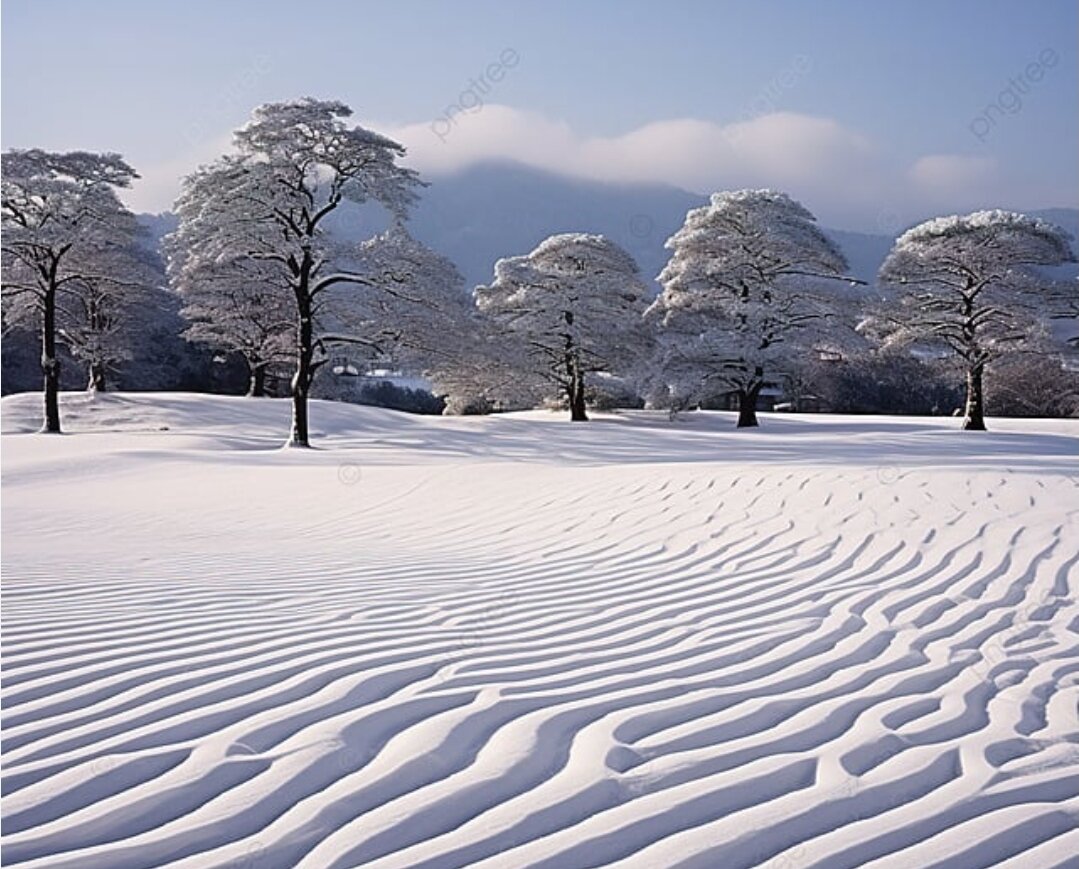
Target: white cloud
[[838, 172], [953, 176], [159, 183], [776, 149]]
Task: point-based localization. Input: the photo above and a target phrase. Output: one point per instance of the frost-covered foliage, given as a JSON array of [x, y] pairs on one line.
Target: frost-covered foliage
[[485, 371], [71, 261], [103, 322], [572, 307], [1023, 384], [743, 299], [419, 320], [295, 163], [879, 380], [1064, 299], [415, 320], [970, 286], [241, 306]]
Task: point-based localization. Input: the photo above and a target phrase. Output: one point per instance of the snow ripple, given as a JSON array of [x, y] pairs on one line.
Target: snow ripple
[[512, 664]]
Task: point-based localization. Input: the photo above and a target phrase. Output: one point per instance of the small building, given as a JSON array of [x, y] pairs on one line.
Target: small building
[[766, 400], [804, 404]]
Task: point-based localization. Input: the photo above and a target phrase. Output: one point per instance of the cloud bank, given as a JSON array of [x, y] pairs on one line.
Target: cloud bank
[[686, 152], [841, 174]]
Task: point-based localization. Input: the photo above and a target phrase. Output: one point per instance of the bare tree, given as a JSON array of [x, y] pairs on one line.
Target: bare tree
[[101, 319], [1032, 385]]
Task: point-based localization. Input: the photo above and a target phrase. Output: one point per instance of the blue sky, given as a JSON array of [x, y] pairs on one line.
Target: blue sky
[[863, 109]]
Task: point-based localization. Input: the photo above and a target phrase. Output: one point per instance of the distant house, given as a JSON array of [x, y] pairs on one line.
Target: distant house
[[345, 369], [730, 400], [804, 404]]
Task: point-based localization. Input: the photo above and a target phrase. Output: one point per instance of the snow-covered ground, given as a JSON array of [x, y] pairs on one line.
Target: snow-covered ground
[[518, 641]]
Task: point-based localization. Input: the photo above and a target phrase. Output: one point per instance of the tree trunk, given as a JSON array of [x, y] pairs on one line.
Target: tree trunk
[[747, 406], [256, 385], [97, 378], [974, 414], [572, 360], [301, 380], [577, 411], [50, 365]]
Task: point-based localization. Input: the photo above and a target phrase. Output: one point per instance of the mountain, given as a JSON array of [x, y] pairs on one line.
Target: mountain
[[501, 209], [864, 252], [157, 226], [498, 209], [494, 210], [1066, 218]]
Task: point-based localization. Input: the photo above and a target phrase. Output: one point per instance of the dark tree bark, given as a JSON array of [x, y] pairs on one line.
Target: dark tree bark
[[301, 380], [747, 407], [974, 413], [50, 364], [747, 402], [575, 389], [577, 411], [256, 384], [97, 378]]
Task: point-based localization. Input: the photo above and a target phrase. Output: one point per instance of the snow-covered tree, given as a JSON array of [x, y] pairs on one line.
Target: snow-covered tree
[[574, 306], [481, 371], [1065, 309], [418, 307], [296, 163], [970, 286], [1023, 384], [241, 306], [103, 320], [98, 331], [67, 238], [743, 298]]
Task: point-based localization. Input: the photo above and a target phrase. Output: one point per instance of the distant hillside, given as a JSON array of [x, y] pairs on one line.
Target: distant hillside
[[865, 252], [157, 226], [1066, 218], [496, 209]]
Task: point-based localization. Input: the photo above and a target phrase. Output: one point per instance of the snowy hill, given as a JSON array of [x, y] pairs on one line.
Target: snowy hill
[[518, 641]]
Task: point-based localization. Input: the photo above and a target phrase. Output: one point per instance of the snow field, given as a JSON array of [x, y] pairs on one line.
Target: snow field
[[517, 641]]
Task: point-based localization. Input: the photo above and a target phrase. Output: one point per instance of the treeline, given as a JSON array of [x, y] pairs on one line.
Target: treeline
[[253, 292]]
